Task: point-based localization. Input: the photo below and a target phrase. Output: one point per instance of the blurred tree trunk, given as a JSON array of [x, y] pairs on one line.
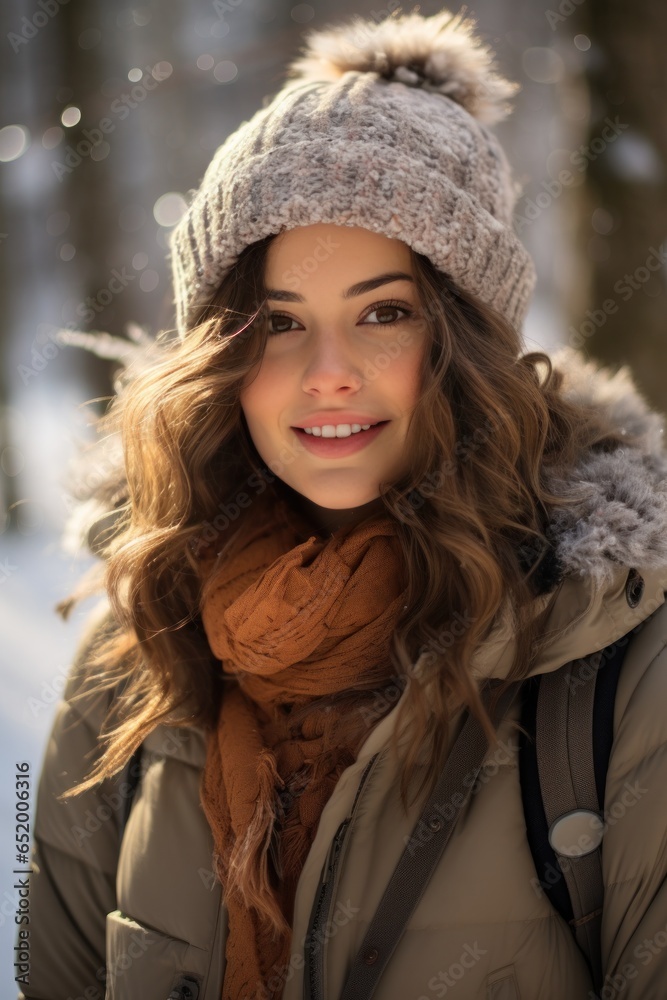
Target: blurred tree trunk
[[88, 190], [623, 229]]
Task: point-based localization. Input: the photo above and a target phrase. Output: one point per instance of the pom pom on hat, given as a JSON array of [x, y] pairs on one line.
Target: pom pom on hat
[[439, 53]]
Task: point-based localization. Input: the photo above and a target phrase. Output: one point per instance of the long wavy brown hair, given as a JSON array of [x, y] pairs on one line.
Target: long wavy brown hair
[[472, 514]]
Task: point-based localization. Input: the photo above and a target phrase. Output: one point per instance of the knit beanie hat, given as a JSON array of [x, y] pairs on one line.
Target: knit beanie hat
[[382, 126]]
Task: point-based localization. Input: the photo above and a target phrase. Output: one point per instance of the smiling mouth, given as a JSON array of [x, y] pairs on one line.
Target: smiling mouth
[[334, 437]]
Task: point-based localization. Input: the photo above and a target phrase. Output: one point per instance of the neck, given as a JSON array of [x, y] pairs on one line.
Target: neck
[[330, 519]]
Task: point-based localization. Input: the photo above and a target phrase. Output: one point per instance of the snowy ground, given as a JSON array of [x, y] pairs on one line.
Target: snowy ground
[[37, 646]]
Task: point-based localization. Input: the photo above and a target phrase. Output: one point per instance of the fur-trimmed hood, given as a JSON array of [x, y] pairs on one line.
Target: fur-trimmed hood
[[608, 568], [624, 520]]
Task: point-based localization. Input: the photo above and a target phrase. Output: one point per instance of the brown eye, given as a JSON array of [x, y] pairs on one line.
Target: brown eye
[[279, 318], [388, 307], [383, 310]]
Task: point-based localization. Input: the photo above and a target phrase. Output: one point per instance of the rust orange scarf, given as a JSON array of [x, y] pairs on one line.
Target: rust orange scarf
[[302, 626]]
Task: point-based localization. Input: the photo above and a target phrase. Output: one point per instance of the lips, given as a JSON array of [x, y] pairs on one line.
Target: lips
[[336, 447]]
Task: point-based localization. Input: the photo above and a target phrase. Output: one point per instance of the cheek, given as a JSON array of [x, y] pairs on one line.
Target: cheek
[[253, 418], [262, 402], [253, 397], [406, 376]]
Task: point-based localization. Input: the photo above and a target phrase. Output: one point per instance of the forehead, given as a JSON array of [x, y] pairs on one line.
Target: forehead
[[334, 250]]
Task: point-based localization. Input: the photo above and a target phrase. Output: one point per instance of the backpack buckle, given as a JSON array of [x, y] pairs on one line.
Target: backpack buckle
[[576, 833]]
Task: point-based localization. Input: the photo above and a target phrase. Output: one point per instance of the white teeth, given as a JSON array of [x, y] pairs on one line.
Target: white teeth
[[336, 430]]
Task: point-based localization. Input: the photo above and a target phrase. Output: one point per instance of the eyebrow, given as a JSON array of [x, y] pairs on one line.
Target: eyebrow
[[282, 295]]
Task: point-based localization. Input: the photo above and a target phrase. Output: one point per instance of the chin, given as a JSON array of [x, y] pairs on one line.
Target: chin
[[342, 500]]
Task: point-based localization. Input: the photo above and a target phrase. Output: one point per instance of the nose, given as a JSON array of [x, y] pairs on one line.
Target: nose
[[331, 366]]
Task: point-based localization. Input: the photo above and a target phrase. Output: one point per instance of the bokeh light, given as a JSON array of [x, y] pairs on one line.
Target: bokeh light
[[71, 116], [543, 65], [66, 251], [219, 29], [52, 137], [12, 461], [169, 208], [14, 140], [149, 280], [582, 42], [141, 16], [634, 158], [225, 71], [162, 70], [100, 151], [140, 260], [602, 221]]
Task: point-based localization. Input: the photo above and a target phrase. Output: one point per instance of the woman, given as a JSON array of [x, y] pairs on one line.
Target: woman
[[297, 624]]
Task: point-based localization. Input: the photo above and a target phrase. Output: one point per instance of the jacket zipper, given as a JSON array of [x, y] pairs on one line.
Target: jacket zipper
[[314, 979]]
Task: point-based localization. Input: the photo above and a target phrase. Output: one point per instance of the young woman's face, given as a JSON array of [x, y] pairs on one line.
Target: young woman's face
[[338, 355]]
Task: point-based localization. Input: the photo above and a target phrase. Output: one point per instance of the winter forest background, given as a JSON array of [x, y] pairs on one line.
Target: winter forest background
[[83, 239]]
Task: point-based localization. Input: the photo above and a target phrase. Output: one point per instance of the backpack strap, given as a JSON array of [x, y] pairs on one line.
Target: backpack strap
[[132, 778], [415, 867], [565, 764], [568, 715]]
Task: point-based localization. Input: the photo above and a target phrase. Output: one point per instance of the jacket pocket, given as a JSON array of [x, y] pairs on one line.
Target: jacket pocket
[[502, 985], [145, 964]]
